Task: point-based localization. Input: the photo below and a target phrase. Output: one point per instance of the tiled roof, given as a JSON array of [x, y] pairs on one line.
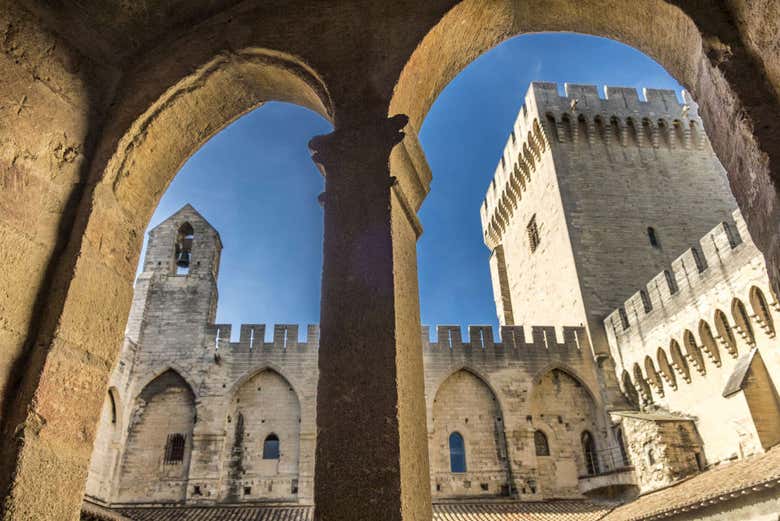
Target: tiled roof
[[556, 510], [716, 485], [221, 513], [93, 512], [561, 510], [658, 416], [719, 484]]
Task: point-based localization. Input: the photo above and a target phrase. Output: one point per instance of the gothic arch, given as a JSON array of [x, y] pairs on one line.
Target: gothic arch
[[251, 373], [164, 409], [708, 342], [466, 404], [629, 389], [570, 372], [644, 388], [653, 376], [742, 321], [469, 369], [761, 310], [666, 368], [693, 352], [678, 360], [725, 333], [264, 407], [171, 366]]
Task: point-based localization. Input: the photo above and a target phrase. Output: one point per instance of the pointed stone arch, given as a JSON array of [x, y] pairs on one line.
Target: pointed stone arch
[[264, 406], [708, 342], [465, 403], [163, 410], [562, 406]]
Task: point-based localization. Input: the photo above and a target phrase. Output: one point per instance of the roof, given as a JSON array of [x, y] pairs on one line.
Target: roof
[[718, 484], [737, 378], [653, 416], [221, 513], [554, 510], [93, 512]]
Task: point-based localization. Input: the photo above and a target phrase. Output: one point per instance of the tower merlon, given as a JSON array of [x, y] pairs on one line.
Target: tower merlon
[[581, 117], [514, 339]]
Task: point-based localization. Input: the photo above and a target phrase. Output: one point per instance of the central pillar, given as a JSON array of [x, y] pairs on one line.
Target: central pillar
[[372, 452]]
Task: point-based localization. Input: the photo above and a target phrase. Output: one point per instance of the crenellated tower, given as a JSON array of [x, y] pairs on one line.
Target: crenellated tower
[[594, 195]]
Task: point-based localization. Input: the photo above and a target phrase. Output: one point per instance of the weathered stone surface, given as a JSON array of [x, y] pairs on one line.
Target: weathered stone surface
[[86, 156]]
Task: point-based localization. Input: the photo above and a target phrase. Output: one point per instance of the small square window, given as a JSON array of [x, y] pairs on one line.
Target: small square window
[[532, 229]]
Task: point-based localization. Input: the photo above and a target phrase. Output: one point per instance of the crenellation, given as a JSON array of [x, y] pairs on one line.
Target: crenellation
[[687, 272], [582, 118]]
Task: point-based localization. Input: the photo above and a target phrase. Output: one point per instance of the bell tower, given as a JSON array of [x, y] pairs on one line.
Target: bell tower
[[176, 292]]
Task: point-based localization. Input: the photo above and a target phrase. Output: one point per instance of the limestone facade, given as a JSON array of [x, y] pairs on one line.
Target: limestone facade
[[180, 374], [699, 340], [595, 177]]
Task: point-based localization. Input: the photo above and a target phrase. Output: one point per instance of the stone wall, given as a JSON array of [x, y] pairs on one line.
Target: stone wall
[[662, 448], [682, 343], [495, 392], [597, 173]]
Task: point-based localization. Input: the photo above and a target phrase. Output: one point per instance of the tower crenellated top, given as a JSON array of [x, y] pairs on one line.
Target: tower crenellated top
[[582, 118], [716, 252]]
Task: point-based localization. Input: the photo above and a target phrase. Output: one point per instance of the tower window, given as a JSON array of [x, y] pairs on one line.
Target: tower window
[[653, 237], [271, 447], [457, 453], [174, 449], [183, 253], [533, 234], [589, 451], [540, 444]]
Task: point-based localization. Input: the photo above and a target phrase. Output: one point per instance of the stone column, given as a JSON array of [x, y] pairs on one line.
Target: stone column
[[372, 453]]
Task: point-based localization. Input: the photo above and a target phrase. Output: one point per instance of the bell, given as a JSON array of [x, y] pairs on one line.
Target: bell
[[183, 259]]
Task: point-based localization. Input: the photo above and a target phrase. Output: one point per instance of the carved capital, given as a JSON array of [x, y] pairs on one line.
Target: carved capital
[[368, 145]]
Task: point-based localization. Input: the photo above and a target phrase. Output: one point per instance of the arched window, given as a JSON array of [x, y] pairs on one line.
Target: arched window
[[541, 444], [708, 342], [271, 447], [653, 237], [725, 332], [589, 452], [183, 252], [457, 453], [174, 449], [761, 310], [742, 320]]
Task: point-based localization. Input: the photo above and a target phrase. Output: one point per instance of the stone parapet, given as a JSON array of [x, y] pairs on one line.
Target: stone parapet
[[720, 251]]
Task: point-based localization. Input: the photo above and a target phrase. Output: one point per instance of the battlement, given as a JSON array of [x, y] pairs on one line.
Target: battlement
[[582, 118], [515, 340], [716, 252], [286, 337]]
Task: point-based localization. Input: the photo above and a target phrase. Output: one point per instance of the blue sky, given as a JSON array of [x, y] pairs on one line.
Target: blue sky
[[255, 182]]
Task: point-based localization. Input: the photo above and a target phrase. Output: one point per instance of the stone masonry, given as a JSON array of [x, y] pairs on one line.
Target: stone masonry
[[558, 411]]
